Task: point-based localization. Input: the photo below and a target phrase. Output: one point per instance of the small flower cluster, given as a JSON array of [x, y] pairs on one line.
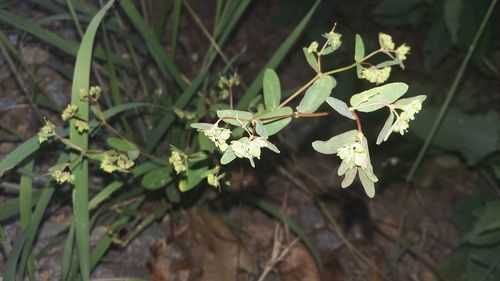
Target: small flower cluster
[[380, 74], [387, 45], [248, 148], [334, 39], [82, 126], [354, 154], [313, 47], [115, 161], [408, 113], [63, 174], [376, 75], [218, 135], [178, 160], [93, 93], [47, 131], [69, 112]]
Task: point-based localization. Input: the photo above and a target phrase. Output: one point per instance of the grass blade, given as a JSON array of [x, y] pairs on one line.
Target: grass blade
[[167, 120], [81, 80], [164, 62], [277, 57], [176, 18], [43, 202], [26, 195], [69, 47]]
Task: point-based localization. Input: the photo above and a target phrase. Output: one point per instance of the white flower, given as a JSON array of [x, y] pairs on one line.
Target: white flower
[[385, 41], [402, 51], [413, 108], [401, 126], [248, 148], [354, 154], [46, 131], [334, 39], [313, 47], [176, 159], [219, 136], [69, 111], [376, 75]]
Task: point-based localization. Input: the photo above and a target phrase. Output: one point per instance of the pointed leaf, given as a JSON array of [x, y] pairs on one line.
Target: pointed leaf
[[311, 59], [359, 49], [272, 89], [235, 117], [367, 183], [344, 166], [386, 130], [316, 94], [227, 157], [378, 97], [349, 177], [260, 130], [202, 126], [332, 145], [273, 126], [157, 178], [340, 107]]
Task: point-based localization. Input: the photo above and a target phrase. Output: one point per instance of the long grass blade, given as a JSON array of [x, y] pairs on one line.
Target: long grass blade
[[176, 19], [69, 47], [26, 195], [277, 57], [163, 61], [81, 80], [43, 202], [167, 120]]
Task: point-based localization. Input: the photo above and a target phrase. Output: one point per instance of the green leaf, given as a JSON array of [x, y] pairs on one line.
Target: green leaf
[[260, 130], [194, 177], [311, 59], [487, 228], [272, 89], [378, 97], [235, 117], [157, 178], [332, 145], [202, 126], [316, 94], [227, 157], [173, 194], [124, 146], [359, 49], [452, 12], [408, 101], [349, 177], [386, 130], [473, 136], [437, 44], [344, 166], [340, 107], [205, 143], [156, 50], [273, 126], [367, 183], [81, 79]]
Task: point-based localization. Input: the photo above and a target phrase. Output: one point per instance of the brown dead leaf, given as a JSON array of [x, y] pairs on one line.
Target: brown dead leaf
[[299, 265]]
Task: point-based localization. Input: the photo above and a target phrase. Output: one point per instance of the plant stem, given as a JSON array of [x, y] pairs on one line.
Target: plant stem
[[310, 82]]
